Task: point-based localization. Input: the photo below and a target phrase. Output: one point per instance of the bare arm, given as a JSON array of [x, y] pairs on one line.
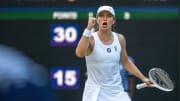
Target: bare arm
[[130, 66], [85, 44]]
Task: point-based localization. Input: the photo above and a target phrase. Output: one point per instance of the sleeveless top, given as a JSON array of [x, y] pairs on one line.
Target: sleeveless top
[[103, 69]]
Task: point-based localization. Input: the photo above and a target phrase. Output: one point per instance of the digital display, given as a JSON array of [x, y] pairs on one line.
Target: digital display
[[48, 31], [65, 77], [65, 34]]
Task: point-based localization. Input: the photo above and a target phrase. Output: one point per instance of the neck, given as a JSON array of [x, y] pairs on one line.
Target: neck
[[105, 36]]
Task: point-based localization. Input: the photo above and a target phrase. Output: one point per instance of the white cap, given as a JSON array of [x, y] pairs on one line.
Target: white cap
[[105, 8]]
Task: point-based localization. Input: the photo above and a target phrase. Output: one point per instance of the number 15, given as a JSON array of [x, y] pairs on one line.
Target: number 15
[[67, 77]]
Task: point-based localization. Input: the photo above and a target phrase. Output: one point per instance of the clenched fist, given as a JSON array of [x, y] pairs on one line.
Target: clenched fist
[[91, 22]]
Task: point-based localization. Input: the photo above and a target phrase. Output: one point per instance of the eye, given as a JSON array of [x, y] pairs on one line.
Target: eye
[[110, 16], [100, 15]]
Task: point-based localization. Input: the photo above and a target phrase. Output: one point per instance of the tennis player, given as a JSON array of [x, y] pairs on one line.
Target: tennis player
[[104, 51]]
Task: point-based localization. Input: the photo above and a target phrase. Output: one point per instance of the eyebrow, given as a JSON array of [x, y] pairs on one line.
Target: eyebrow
[[106, 13]]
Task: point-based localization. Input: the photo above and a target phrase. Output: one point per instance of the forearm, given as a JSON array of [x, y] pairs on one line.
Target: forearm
[[134, 70], [84, 42], [82, 46]]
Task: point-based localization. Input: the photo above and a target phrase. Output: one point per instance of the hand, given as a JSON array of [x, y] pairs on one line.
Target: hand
[[91, 22], [148, 82]]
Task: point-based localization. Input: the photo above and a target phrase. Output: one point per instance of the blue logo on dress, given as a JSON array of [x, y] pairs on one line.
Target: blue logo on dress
[[108, 50]]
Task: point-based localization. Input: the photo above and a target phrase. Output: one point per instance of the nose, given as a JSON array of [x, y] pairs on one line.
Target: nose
[[105, 18]]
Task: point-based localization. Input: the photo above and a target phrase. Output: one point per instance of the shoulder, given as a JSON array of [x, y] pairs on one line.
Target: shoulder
[[121, 38]]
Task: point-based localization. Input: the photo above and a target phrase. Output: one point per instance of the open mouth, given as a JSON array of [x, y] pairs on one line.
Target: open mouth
[[104, 23]]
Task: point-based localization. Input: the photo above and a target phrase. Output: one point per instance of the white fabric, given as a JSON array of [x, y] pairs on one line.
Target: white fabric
[[105, 8], [103, 68], [87, 33]]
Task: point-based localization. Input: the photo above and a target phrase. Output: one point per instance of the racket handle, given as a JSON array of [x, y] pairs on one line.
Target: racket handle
[[140, 86]]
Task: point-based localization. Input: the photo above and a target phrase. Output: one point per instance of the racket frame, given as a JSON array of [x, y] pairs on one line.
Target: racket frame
[[143, 85]]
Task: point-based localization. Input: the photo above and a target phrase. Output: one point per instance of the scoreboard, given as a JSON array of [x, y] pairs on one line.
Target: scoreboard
[[48, 32]]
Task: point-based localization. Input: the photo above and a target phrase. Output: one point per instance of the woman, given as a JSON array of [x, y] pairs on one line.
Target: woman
[[104, 51]]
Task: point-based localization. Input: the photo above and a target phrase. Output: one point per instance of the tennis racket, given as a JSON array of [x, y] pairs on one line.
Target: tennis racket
[[160, 80]]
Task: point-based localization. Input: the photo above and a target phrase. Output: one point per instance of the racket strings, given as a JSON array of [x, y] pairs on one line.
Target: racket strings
[[162, 79]]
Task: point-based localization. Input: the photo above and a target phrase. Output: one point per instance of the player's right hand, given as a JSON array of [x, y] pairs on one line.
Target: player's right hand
[[91, 22]]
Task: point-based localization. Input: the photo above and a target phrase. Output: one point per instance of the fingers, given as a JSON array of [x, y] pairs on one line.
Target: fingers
[[148, 82], [91, 22]]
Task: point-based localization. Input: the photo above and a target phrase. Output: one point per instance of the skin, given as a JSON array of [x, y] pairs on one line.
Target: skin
[[86, 44]]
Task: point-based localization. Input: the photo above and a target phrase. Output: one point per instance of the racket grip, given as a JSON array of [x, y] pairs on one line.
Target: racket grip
[[140, 86]]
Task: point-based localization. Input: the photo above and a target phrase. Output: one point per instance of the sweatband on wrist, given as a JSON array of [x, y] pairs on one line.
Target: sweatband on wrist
[[87, 33]]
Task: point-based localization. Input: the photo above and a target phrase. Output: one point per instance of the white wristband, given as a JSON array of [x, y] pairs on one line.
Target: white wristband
[[87, 33]]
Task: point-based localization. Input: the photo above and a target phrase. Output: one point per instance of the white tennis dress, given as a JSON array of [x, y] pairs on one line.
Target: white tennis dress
[[103, 68]]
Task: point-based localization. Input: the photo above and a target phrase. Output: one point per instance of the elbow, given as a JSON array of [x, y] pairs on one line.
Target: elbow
[[79, 54]]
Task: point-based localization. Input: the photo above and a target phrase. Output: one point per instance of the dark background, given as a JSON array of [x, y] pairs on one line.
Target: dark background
[[86, 3], [152, 43]]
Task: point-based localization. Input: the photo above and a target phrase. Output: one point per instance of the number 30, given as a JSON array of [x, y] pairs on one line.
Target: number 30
[[69, 34]]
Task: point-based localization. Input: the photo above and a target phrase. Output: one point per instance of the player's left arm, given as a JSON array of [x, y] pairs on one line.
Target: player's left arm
[[129, 66]]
